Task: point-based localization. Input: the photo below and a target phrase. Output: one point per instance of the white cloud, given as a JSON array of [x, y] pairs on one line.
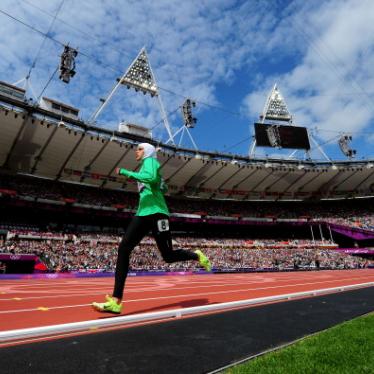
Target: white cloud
[[315, 51]]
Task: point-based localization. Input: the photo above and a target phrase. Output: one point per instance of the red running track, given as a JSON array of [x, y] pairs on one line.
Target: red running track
[[35, 303]]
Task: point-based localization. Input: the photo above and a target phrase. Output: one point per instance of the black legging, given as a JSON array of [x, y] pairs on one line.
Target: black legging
[[137, 229]]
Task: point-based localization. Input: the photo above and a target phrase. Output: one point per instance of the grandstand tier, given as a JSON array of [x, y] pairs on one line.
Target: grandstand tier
[[43, 143], [78, 228]]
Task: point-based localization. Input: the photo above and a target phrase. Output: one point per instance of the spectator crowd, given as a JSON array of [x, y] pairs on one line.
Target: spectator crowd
[[355, 213], [74, 252], [95, 248]]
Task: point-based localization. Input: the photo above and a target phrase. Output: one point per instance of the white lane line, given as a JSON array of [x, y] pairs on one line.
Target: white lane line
[[133, 290], [153, 289], [173, 297]]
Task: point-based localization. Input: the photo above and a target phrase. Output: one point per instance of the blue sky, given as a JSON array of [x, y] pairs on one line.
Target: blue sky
[[225, 54]]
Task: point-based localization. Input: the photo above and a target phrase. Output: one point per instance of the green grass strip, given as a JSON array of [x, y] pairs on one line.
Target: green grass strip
[[347, 348]]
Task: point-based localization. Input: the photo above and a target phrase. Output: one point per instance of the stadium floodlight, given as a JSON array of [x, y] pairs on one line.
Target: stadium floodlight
[[139, 76], [188, 123], [275, 110], [275, 107], [67, 64], [189, 120], [345, 147]]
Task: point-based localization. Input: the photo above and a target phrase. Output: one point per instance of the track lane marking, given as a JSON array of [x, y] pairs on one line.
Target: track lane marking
[[153, 289], [177, 296]]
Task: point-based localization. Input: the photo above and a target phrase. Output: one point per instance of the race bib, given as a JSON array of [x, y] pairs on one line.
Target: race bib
[[163, 225]]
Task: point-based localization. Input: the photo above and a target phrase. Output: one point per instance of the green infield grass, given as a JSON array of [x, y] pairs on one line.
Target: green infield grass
[[347, 348]]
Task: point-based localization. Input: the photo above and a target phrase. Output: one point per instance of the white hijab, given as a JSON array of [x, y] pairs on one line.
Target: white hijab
[[149, 150]]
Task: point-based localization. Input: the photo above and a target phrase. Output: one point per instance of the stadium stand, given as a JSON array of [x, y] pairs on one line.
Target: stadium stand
[[96, 252], [299, 237]]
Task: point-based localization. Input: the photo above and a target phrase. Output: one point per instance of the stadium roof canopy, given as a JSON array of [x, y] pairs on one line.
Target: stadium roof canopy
[[42, 143]]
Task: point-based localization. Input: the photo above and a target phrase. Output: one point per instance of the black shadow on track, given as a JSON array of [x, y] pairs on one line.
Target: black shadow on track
[[192, 345]]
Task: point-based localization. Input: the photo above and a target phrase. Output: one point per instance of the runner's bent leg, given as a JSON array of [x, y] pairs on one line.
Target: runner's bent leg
[[162, 235], [137, 229]]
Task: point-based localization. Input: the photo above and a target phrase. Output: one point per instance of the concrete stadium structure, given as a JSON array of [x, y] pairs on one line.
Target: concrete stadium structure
[[47, 144]]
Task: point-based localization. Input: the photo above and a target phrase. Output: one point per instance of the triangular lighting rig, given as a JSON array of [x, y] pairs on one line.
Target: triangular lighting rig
[[140, 77]]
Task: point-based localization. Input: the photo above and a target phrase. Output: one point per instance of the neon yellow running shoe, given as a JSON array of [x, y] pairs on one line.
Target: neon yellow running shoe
[[110, 306], [203, 260]]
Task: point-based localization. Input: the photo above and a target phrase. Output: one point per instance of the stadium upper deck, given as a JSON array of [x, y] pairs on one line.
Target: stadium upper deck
[[49, 144]]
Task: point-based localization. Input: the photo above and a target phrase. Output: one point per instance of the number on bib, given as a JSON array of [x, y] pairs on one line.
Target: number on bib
[[163, 225]]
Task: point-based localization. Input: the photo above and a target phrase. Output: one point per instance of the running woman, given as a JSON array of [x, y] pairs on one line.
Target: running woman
[[152, 215]]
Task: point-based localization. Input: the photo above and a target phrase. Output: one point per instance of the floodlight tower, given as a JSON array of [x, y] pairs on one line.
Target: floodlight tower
[[140, 77], [275, 107], [189, 122], [278, 118], [67, 64], [275, 110], [343, 142]]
